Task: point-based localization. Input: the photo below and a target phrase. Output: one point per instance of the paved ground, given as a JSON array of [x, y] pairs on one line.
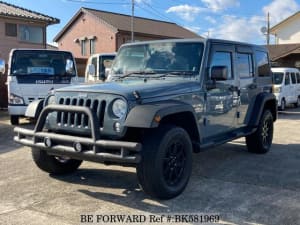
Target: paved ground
[[242, 188]]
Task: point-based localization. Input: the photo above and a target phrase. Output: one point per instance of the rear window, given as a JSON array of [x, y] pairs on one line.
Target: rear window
[[29, 62], [262, 61]]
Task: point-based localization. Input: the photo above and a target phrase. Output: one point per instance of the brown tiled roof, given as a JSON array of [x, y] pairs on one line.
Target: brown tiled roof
[[282, 50], [10, 10], [122, 22]]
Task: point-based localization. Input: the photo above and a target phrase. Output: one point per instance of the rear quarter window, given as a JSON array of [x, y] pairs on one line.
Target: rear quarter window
[[263, 65]]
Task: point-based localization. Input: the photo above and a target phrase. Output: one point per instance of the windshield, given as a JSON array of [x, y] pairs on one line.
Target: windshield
[[161, 58], [278, 77], [41, 62]]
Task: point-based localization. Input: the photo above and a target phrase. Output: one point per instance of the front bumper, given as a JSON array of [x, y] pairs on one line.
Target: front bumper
[[18, 110], [91, 148]]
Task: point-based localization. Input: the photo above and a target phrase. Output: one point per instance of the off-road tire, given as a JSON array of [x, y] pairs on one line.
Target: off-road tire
[[166, 163], [14, 120], [52, 164], [261, 140]]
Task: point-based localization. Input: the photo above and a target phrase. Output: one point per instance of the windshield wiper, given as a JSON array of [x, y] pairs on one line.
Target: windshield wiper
[[145, 72], [178, 73]]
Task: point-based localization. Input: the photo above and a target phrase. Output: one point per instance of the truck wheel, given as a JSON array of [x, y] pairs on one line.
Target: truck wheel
[[166, 164], [283, 105], [54, 164], [297, 104], [261, 140], [14, 120]]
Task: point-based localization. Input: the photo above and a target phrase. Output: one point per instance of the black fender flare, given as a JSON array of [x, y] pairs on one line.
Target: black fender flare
[[263, 100], [149, 115], [34, 109]]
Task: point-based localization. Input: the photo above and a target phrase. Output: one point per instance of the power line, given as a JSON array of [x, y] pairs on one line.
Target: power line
[[99, 3], [155, 10]]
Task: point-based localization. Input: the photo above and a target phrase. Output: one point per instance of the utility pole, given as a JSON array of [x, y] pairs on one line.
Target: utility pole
[[132, 21], [268, 28]]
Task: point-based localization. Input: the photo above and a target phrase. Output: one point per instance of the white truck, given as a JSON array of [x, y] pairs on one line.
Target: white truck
[[98, 66], [286, 86], [33, 73]]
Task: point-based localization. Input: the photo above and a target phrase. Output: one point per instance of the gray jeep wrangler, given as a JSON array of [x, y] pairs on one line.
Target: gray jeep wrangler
[[167, 100]]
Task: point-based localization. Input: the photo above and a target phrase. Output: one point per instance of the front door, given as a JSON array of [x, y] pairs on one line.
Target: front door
[[220, 110]]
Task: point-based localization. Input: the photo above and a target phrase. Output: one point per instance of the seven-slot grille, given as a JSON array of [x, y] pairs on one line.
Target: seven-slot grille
[[80, 120]]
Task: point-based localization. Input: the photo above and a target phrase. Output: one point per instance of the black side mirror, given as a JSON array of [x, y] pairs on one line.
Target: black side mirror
[[2, 66], [219, 73]]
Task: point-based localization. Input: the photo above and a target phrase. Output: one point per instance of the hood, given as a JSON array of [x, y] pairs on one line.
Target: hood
[[126, 88]]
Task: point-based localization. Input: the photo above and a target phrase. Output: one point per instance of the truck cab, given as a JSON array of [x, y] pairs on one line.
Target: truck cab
[[33, 73], [98, 66]]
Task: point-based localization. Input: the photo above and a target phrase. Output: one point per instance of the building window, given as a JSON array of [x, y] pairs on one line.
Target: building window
[[83, 47], [31, 34], [11, 29], [92, 46]]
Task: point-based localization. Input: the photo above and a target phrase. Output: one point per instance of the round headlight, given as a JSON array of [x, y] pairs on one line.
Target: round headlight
[[119, 108]]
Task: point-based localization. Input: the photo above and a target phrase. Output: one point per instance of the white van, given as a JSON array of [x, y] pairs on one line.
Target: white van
[[97, 66], [286, 86], [33, 73]]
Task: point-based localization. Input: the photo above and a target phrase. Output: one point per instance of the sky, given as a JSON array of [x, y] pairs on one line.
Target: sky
[[239, 20]]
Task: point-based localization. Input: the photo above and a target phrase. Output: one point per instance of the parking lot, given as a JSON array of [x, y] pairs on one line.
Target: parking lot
[[240, 187]]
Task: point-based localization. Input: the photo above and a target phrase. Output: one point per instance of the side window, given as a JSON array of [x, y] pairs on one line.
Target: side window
[[287, 79], [262, 63], [244, 65], [293, 76], [298, 78], [223, 59]]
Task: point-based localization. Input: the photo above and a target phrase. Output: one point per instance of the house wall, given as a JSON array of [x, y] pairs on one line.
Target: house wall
[[7, 42], [87, 26], [289, 33]]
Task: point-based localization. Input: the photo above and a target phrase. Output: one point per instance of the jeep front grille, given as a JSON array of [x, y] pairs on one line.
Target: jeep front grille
[[80, 120]]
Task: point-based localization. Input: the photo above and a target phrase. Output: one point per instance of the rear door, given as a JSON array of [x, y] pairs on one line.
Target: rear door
[[248, 88]]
